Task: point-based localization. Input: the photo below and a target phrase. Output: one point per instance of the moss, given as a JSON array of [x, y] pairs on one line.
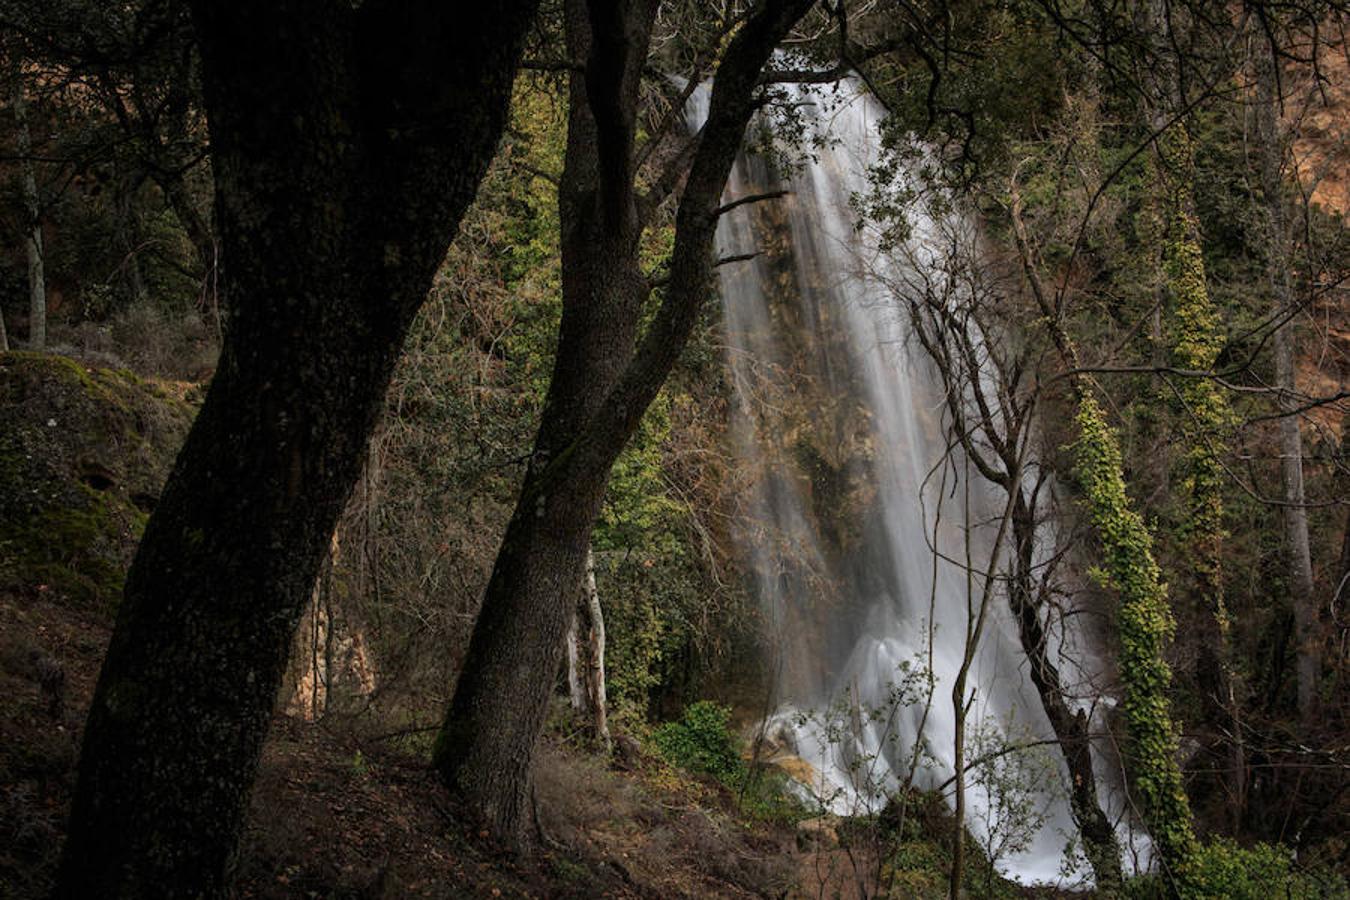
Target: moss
[[83, 454], [68, 548]]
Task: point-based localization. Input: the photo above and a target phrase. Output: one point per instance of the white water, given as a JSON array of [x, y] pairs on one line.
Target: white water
[[837, 410]]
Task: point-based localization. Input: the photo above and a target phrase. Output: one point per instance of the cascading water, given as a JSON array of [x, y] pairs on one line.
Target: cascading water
[[857, 533]]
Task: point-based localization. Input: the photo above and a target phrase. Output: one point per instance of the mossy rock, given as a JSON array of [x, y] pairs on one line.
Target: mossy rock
[[84, 453]]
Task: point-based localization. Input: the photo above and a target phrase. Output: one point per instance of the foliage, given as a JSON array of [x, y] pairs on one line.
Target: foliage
[[1144, 622], [701, 741], [120, 162], [975, 103], [1017, 783], [1222, 870]]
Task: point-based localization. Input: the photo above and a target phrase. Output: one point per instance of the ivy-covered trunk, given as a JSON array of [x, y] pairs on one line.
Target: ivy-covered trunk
[[1197, 340], [1144, 622], [346, 144], [1145, 626]]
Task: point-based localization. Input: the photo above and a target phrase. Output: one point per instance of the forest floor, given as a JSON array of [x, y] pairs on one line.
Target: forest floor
[[334, 815], [338, 814]]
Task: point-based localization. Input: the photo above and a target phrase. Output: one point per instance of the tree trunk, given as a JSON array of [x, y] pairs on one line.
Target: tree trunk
[[576, 655], [347, 143], [595, 657], [1144, 617], [586, 656], [957, 874], [603, 381], [1297, 548], [32, 235], [125, 231], [1072, 730], [1340, 588]]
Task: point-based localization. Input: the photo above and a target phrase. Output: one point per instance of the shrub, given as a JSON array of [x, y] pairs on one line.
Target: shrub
[[1222, 869], [701, 741]]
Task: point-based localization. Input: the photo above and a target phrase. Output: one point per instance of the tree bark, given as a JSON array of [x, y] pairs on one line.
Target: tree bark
[[603, 381], [1297, 548], [595, 656], [347, 143], [32, 235], [576, 655], [586, 657]]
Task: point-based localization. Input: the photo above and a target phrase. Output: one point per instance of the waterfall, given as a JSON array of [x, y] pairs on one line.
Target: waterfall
[[838, 422]]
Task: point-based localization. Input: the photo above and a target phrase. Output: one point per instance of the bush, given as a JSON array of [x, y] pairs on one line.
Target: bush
[[701, 741], [1222, 869]]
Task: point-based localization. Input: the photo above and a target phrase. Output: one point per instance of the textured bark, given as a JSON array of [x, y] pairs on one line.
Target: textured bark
[[346, 144], [32, 232], [1297, 549], [603, 380]]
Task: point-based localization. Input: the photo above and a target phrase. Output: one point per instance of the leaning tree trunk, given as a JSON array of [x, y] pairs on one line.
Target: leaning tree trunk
[[1278, 260], [603, 381], [347, 143], [1073, 730], [487, 743], [1143, 617]]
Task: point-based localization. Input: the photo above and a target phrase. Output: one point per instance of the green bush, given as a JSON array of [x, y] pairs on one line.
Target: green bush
[[1222, 869], [701, 741]]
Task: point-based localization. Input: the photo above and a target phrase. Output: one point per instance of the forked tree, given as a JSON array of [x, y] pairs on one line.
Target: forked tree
[[606, 373]]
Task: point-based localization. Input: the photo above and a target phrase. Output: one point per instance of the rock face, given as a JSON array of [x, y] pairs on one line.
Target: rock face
[[84, 453]]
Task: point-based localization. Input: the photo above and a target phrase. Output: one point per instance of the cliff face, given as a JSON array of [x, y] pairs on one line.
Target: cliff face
[[1322, 117], [84, 453], [1320, 114]]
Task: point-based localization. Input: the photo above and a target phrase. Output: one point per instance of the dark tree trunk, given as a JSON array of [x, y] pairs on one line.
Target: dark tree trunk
[[1072, 730], [346, 144], [603, 381], [32, 228]]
